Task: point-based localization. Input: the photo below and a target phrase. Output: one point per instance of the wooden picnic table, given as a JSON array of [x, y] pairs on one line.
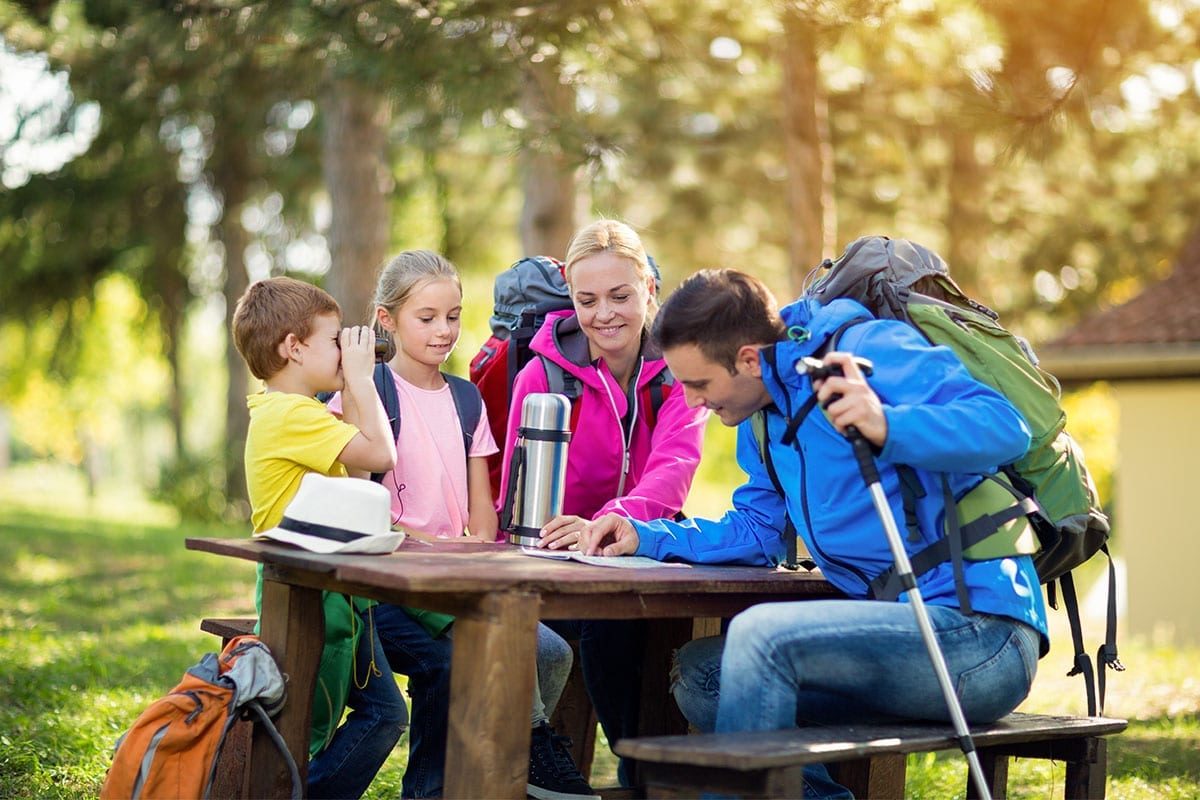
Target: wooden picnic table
[[498, 595]]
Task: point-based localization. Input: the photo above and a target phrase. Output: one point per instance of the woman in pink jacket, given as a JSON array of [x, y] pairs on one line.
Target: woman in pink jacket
[[635, 444]]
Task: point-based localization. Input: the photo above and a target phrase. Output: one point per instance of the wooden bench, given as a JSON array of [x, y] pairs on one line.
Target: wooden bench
[[227, 628], [867, 759]]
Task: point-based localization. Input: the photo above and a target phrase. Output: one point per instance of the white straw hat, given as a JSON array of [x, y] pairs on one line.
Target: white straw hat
[[338, 515]]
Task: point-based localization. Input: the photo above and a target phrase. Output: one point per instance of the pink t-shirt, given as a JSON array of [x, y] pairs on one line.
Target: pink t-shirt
[[429, 482]]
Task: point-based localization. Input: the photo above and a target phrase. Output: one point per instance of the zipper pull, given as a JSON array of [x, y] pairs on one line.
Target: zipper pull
[[625, 466]]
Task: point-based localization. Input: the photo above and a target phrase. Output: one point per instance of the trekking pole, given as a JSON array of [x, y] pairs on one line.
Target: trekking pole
[[816, 370]]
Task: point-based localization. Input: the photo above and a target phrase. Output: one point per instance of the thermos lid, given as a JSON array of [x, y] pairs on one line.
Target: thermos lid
[[546, 411]]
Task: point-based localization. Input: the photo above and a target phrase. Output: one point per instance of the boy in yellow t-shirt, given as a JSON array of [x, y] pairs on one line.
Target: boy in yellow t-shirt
[[291, 336]]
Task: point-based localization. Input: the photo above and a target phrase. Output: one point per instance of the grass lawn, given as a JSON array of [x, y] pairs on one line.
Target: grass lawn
[[99, 614]]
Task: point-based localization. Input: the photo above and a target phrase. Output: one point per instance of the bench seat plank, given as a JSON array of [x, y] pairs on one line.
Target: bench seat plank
[[759, 750], [228, 627]]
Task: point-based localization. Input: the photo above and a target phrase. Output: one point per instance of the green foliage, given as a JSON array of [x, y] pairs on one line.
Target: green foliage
[[70, 393], [1047, 152], [192, 485]]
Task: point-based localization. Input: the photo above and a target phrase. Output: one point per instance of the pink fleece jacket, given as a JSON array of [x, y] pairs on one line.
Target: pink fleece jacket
[[661, 461]]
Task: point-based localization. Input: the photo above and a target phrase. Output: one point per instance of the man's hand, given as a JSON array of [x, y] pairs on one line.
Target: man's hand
[[610, 535], [358, 352], [858, 405]]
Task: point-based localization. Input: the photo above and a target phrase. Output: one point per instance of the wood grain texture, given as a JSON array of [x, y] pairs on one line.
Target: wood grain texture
[[767, 749], [446, 568], [491, 691], [293, 628]]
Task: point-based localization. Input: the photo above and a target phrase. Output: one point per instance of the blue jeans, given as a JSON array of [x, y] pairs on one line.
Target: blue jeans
[[834, 661], [426, 661], [554, 659], [365, 739], [611, 653]]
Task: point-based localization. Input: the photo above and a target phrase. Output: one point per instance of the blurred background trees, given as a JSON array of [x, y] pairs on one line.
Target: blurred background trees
[[157, 157]]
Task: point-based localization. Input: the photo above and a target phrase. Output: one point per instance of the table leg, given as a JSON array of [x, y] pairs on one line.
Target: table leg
[[491, 691], [293, 626]]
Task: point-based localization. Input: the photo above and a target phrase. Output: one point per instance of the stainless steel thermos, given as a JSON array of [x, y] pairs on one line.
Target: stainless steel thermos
[[538, 467]]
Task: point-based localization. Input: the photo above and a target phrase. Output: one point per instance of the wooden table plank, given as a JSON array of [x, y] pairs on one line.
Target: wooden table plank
[[450, 568]]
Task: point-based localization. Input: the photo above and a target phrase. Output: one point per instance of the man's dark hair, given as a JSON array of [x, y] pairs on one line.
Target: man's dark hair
[[719, 311]]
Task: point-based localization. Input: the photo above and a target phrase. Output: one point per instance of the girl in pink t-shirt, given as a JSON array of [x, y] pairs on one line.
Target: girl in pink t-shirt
[[439, 490]]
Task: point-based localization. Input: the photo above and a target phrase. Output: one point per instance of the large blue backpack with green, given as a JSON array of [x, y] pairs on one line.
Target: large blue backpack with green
[[897, 279]]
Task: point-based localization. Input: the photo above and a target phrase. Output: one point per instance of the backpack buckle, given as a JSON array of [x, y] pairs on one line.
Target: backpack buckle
[[798, 334]]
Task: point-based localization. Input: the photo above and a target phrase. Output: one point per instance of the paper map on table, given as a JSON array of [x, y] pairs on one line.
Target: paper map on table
[[621, 562]]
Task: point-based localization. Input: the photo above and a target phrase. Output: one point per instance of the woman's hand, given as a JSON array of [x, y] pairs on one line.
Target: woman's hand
[[562, 531]]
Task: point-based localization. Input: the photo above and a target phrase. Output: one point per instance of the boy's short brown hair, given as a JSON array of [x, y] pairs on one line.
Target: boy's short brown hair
[[268, 311]]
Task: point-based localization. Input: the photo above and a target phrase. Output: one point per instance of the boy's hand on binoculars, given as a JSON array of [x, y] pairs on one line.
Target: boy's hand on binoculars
[[610, 535], [857, 406], [358, 351], [562, 532]]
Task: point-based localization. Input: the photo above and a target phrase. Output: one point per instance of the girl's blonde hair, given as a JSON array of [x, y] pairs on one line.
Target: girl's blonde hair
[[406, 273], [611, 236]]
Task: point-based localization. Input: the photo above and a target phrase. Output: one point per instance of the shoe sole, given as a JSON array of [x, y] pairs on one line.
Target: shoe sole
[[542, 793]]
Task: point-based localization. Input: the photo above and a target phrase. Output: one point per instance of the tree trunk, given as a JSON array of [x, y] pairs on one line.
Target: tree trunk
[[173, 295], [965, 226], [548, 213], [812, 234], [358, 178], [231, 177]]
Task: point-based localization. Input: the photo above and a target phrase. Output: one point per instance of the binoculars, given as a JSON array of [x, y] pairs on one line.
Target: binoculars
[[385, 348]]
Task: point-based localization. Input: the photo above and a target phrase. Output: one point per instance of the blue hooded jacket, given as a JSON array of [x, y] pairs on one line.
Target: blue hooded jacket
[[939, 419]]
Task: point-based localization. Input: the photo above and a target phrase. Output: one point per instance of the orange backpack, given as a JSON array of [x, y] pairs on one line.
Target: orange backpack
[[171, 750]]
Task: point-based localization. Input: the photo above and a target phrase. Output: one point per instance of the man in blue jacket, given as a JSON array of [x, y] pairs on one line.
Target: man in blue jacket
[[833, 661]]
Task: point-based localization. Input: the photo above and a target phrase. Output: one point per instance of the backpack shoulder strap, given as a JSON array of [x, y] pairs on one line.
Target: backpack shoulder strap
[[559, 381], [758, 424], [468, 403], [656, 391], [385, 387]]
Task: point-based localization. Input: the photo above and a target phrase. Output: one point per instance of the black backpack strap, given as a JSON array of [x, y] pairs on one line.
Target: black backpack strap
[[385, 387], [1083, 663], [518, 344], [955, 541], [468, 403], [911, 491], [887, 586], [759, 425], [559, 381], [1106, 656]]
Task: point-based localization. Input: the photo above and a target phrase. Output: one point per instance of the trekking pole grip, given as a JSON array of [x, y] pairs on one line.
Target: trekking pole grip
[[863, 455]]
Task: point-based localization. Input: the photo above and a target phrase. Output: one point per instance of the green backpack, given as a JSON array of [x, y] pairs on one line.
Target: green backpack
[[897, 279]]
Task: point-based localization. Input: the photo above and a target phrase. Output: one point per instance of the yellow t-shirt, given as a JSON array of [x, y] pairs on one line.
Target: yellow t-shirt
[[289, 436]]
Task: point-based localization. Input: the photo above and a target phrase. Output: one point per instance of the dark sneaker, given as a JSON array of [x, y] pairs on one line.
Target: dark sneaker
[[552, 772]]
